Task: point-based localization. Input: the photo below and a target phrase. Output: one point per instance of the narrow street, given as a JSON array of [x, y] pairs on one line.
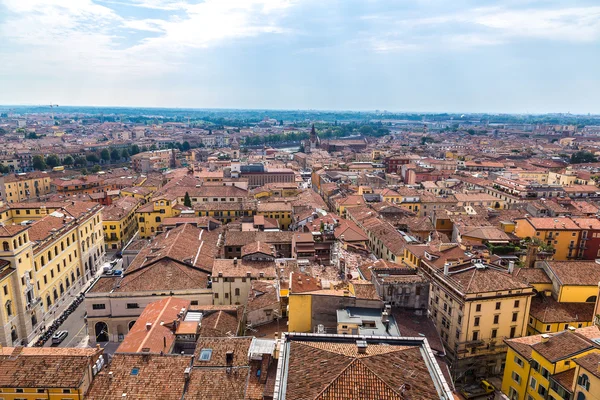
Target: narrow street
[[76, 327]]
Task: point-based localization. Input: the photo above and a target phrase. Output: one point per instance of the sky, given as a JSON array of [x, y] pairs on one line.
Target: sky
[[515, 56]]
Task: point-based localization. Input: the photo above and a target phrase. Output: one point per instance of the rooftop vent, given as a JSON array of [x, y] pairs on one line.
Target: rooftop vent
[[229, 357], [545, 338], [361, 346]]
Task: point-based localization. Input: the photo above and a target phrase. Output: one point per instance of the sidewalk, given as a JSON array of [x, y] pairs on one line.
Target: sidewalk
[[50, 317]]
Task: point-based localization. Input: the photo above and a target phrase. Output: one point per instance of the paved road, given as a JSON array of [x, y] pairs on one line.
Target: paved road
[[76, 327]]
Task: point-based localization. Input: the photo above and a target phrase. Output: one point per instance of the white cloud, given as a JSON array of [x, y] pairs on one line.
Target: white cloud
[[83, 36]]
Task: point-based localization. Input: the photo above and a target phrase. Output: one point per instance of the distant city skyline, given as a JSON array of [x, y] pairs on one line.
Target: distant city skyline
[[402, 56]]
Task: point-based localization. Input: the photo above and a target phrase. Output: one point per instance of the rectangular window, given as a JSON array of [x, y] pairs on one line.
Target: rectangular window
[[216, 295], [494, 333], [478, 308], [498, 305], [475, 335], [533, 383], [516, 377], [237, 291], [476, 321], [496, 318], [515, 316], [5, 288], [519, 362], [133, 305], [512, 331], [517, 303], [98, 306]]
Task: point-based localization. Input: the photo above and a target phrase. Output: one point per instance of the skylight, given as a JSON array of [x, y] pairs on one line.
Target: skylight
[[205, 354]]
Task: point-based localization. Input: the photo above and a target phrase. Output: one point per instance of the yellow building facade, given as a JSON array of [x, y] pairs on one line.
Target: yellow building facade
[[560, 233], [45, 262]]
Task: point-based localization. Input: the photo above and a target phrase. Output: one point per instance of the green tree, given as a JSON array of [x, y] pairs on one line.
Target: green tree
[[134, 149], [426, 139], [93, 158], [96, 168], [185, 146], [38, 163], [52, 161], [68, 160], [125, 154], [366, 130], [153, 147], [186, 200], [115, 155], [2, 131], [104, 155], [80, 161], [4, 169], [84, 171], [144, 149], [583, 157]]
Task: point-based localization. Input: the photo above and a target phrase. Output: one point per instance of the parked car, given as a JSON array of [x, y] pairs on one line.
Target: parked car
[[59, 336]]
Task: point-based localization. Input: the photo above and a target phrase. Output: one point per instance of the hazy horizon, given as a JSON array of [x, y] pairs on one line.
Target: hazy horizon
[[426, 56]]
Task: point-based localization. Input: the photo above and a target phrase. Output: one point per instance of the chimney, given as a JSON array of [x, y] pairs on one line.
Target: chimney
[[148, 325], [110, 376], [229, 358], [545, 338], [511, 267], [248, 274], [186, 373], [572, 328], [446, 268], [235, 261], [361, 346]]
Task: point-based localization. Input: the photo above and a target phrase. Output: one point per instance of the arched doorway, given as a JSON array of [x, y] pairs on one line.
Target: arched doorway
[[591, 299], [101, 330], [131, 323]]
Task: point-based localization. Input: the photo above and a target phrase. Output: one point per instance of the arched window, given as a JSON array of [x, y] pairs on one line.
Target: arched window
[[48, 302], [62, 289], [8, 306], [13, 333], [72, 277], [20, 241], [55, 294], [43, 261], [142, 229], [67, 283], [584, 381], [5, 246], [131, 323], [152, 229], [55, 250], [591, 299], [580, 396], [49, 255], [15, 243]]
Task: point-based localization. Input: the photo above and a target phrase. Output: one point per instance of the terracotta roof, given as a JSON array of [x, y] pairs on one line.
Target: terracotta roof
[[141, 376], [327, 370], [488, 279], [220, 323], [12, 230], [581, 273], [590, 363], [219, 347], [300, 283], [532, 275], [229, 268], [48, 368], [120, 208], [562, 345], [565, 378], [159, 335], [365, 290], [548, 311], [257, 247], [262, 294]]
